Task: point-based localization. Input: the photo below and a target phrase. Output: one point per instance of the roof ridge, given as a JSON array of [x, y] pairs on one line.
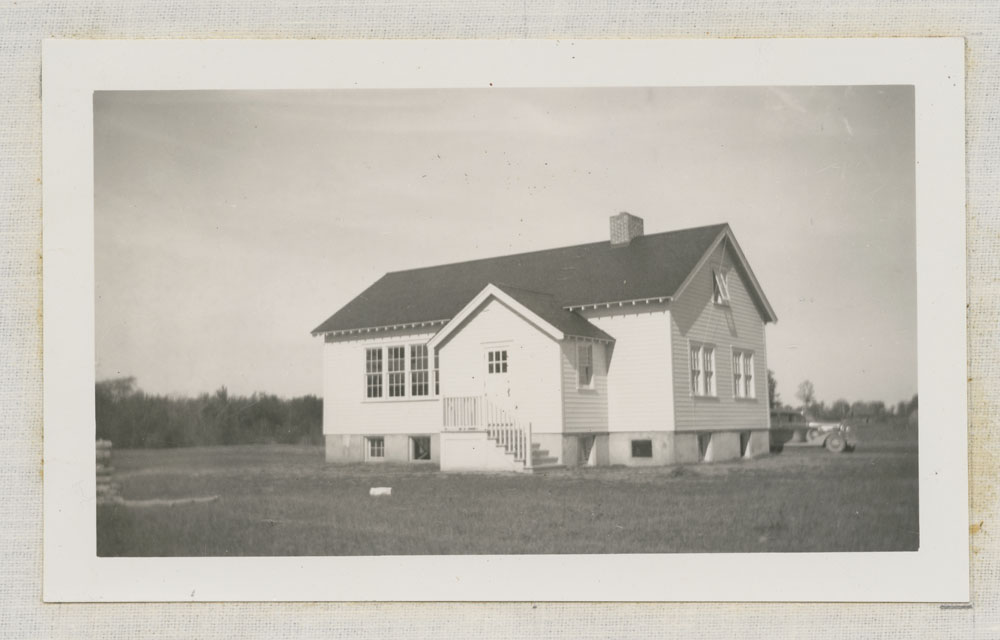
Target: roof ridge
[[652, 266], [563, 248], [504, 285]]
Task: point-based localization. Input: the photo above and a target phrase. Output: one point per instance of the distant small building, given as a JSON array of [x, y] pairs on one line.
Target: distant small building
[[641, 350], [786, 417]]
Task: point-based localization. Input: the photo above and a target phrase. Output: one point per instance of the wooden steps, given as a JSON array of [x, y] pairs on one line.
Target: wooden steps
[[540, 457], [542, 460]]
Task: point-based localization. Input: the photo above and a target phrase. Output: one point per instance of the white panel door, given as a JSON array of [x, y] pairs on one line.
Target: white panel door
[[496, 361]]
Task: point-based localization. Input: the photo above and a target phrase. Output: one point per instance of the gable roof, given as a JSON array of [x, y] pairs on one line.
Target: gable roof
[[548, 308], [542, 309], [651, 266]]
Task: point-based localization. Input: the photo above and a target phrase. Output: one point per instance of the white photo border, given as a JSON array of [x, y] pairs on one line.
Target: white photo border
[[73, 70]]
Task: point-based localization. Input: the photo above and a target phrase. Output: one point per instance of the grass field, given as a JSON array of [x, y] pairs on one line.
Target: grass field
[[285, 500]]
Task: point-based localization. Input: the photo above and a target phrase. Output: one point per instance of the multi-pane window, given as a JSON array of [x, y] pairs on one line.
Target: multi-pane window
[[702, 370], [496, 361], [708, 360], [437, 375], [743, 386], [400, 371], [695, 370], [737, 374], [419, 375], [748, 376], [376, 448], [720, 288], [373, 373], [396, 357], [585, 365]]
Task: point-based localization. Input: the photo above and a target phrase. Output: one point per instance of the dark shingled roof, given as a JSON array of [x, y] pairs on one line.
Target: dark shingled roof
[[548, 309], [650, 266]]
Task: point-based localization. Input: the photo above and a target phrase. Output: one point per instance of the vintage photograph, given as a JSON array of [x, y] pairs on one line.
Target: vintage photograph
[[478, 321]]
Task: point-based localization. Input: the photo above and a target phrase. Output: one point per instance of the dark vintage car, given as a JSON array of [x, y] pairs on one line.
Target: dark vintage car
[[792, 429]]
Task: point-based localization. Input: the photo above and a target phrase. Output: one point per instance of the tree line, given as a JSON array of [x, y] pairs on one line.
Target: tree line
[[132, 418], [904, 412]]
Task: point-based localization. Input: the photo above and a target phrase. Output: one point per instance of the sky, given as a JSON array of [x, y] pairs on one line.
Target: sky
[[229, 224]]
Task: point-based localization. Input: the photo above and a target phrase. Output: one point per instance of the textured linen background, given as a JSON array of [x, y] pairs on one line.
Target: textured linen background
[[25, 23]]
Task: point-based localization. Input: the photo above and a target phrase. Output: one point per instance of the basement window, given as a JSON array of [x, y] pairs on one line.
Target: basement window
[[375, 448], [420, 448], [642, 448]]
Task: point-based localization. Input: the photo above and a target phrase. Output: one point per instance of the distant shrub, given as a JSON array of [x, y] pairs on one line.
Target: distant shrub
[[131, 418]]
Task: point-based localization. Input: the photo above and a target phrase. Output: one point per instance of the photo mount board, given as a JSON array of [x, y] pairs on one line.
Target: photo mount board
[[73, 70]]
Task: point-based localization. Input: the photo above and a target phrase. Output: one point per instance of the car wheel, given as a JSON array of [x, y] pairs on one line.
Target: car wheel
[[812, 434], [835, 443]]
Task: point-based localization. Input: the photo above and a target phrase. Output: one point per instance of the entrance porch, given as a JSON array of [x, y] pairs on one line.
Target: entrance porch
[[478, 433]]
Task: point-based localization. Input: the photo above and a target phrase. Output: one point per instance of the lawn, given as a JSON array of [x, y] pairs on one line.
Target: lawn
[[277, 500]]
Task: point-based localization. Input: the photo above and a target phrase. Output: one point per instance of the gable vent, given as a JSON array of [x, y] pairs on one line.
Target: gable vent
[[624, 228]]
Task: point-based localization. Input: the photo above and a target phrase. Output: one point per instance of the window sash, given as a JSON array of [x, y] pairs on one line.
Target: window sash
[[419, 376], [373, 372], [496, 361], [396, 361], [585, 365], [696, 370], [737, 374], [749, 391], [437, 375], [708, 354], [400, 371], [743, 386], [703, 370]]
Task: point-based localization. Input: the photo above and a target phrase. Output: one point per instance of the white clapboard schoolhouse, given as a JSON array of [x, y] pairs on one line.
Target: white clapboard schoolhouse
[[641, 350]]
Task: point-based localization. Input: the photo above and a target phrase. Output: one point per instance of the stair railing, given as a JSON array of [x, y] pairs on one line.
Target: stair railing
[[500, 424]]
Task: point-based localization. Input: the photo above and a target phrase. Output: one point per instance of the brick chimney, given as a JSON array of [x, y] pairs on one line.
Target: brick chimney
[[625, 227]]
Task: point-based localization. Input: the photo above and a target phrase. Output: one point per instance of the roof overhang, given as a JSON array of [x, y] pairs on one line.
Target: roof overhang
[[618, 303], [570, 336], [493, 291], [388, 327]]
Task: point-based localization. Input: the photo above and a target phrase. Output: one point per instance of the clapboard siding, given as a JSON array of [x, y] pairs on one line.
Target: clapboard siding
[[639, 375], [345, 408], [533, 363], [696, 318], [584, 409]]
